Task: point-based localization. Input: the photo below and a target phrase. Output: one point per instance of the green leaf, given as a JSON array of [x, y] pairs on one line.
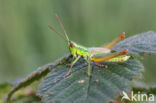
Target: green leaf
[[27, 95], [41, 72], [23, 96], [138, 44], [4, 88], [101, 87], [36, 75], [143, 87]]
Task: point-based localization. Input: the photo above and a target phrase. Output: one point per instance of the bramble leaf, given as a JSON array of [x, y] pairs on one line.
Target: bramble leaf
[[36, 75], [138, 44], [4, 88], [28, 80], [143, 87], [27, 95], [102, 87]]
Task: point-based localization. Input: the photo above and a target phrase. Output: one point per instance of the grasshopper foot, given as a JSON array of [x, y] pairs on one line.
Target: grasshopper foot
[[68, 65]]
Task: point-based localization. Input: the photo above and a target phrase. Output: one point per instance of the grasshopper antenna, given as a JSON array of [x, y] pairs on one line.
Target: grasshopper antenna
[[62, 27], [52, 28]]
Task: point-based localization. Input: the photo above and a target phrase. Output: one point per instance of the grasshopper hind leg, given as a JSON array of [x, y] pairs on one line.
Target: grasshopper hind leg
[[114, 42]]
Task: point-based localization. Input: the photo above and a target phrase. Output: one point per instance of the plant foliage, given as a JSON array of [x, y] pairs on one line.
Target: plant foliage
[[105, 83], [101, 87]]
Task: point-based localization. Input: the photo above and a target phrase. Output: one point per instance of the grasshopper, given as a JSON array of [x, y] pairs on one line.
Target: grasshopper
[[95, 54]]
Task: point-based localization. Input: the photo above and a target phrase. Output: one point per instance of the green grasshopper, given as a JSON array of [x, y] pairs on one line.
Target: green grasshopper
[[95, 54]]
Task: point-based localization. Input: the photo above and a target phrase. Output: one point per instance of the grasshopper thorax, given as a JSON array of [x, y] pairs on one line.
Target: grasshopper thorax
[[77, 49]]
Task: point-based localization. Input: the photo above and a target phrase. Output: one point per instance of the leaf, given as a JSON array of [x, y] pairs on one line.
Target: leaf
[[138, 87], [143, 87], [36, 75], [138, 44], [27, 95], [27, 99], [28, 80], [4, 88], [101, 87]]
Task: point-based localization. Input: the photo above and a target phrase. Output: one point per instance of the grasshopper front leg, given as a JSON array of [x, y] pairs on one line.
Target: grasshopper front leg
[[68, 73]]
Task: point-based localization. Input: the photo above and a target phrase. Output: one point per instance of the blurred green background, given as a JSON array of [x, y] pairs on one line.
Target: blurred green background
[[26, 42]]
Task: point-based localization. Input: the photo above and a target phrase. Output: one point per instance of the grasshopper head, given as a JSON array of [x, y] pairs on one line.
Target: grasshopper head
[[71, 44]]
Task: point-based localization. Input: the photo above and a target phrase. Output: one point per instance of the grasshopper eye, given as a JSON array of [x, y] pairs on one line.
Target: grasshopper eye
[[71, 45]]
